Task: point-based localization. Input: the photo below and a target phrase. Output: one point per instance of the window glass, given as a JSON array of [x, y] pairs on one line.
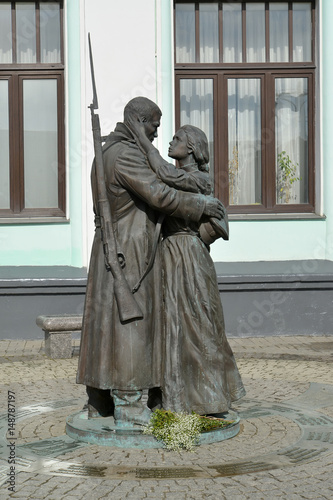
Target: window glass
[[196, 108], [278, 32], [40, 143], [185, 33], [26, 32], [209, 33], [302, 32], [257, 118], [50, 32], [32, 180], [255, 32], [232, 32], [244, 141], [4, 146], [5, 33], [291, 140]]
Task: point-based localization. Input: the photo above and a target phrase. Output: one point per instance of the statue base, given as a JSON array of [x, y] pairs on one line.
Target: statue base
[[103, 431]]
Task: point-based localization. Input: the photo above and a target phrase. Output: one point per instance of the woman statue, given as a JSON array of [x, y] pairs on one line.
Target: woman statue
[[200, 371]]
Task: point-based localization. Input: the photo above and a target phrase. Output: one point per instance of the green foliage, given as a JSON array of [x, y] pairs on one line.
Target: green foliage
[[210, 423], [181, 430], [286, 175]]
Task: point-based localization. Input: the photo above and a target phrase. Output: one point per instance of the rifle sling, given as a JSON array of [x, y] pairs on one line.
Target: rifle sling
[[157, 233]]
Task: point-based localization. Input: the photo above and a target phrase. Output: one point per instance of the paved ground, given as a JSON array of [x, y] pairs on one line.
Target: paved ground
[[284, 449]]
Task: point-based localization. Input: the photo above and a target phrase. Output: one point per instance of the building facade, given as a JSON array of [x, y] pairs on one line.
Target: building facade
[[255, 76]]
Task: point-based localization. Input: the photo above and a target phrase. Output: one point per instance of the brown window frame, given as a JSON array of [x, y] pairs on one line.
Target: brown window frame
[[267, 72], [15, 73]]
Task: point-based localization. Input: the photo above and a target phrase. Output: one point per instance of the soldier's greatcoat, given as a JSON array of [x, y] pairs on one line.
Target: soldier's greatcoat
[[128, 356]]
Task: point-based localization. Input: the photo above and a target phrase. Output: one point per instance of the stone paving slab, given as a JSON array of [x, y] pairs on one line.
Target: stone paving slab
[[284, 448], [280, 347], [294, 347]]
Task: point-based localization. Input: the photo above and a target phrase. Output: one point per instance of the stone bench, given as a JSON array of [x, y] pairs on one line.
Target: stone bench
[[58, 334]]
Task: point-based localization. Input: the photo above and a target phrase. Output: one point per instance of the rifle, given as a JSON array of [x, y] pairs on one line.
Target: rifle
[[127, 305]]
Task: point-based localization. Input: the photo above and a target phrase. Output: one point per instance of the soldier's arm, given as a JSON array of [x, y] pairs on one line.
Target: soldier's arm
[[134, 174]]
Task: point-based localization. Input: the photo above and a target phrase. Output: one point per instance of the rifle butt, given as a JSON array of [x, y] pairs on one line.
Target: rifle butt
[[128, 308]]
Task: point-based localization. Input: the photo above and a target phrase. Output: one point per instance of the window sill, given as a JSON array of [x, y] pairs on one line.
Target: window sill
[[33, 220], [275, 217]]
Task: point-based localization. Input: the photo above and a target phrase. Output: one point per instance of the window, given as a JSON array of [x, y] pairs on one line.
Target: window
[[245, 74], [32, 168]]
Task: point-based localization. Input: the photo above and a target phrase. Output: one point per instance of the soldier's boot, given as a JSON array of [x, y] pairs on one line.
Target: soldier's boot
[[129, 408]]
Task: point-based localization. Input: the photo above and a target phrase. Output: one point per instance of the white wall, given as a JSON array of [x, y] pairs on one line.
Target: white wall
[[124, 48]]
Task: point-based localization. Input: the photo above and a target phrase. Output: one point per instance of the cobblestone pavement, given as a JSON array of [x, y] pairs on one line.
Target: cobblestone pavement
[[284, 448]]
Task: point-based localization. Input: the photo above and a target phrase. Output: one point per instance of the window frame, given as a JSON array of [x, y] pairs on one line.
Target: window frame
[[15, 73], [267, 72]]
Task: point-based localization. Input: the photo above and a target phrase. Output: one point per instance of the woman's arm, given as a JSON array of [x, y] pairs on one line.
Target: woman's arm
[[193, 182]]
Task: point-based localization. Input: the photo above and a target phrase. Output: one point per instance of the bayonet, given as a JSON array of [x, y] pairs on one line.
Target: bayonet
[[94, 104]]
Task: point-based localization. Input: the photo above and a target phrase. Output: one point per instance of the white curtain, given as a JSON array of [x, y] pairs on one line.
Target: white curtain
[[255, 32], [232, 32], [5, 33], [291, 137], [185, 33], [209, 32], [244, 94], [302, 32], [244, 141], [196, 108], [50, 32], [26, 32], [278, 32]]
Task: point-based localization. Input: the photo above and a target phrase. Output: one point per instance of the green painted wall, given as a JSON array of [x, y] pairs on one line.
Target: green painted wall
[[56, 243], [272, 240]]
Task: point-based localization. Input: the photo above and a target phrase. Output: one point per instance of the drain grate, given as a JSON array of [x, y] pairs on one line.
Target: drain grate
[[245, 467], [52, 447], [167, 473], [324, 437], [314, 421], [81, 470], [297, 455]]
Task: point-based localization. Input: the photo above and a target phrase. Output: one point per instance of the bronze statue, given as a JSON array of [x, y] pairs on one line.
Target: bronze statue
[[199, 370], [118, 359]]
